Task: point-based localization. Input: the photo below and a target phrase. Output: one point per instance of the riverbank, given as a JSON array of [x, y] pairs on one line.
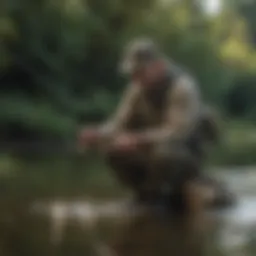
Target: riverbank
[[76, 175], [237, 145]]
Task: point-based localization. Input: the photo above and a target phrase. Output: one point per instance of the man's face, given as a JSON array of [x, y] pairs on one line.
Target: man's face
[[132, 65], [148, 74], [141, 63], [137, 55]]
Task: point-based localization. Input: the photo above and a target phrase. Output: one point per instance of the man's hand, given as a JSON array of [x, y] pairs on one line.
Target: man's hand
[[127, 142], [89, 137]]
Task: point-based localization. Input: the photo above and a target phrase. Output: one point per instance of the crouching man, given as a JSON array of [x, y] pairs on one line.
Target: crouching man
[[160, 134]]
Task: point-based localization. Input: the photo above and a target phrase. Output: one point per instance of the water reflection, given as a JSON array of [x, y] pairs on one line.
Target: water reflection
[[156, 236], [113, 228]]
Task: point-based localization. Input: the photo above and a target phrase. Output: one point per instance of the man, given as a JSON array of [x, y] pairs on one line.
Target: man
[[157, 139]]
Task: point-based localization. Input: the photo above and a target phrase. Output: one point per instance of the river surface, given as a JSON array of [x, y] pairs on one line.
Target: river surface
[[109, 227]]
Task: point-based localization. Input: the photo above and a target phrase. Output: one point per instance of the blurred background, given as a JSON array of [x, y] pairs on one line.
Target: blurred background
[[58, 71]]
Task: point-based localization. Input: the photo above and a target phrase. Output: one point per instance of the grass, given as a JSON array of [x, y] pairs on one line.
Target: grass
[[63, 177]]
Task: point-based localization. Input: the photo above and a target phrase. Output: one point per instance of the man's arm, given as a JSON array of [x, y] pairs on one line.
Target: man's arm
[[124, 111], [182, 109]]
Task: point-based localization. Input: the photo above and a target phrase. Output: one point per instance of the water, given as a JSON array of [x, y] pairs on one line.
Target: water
[[111, 228]]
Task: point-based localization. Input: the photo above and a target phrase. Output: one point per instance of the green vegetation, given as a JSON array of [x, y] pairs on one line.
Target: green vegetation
[[58, 65], [238, 145]]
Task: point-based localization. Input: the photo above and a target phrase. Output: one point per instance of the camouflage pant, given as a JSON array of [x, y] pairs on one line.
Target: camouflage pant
[[161, 169]]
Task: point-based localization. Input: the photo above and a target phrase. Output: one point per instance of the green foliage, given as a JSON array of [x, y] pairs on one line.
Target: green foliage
[[59, 60], [238, 145]]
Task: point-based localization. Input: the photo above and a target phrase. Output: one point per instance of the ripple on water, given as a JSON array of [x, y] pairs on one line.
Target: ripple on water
[[239, 221]]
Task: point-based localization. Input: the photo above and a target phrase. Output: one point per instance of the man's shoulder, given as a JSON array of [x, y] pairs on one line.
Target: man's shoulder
[[182, 77], [185, 84]]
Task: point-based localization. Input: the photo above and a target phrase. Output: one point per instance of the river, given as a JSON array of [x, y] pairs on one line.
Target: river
[[108, 227]]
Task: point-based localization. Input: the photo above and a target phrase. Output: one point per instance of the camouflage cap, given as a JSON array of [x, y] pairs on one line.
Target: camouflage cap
[[137, 53]]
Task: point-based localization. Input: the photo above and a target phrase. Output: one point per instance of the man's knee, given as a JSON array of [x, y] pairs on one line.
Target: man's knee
[[128, 167]]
